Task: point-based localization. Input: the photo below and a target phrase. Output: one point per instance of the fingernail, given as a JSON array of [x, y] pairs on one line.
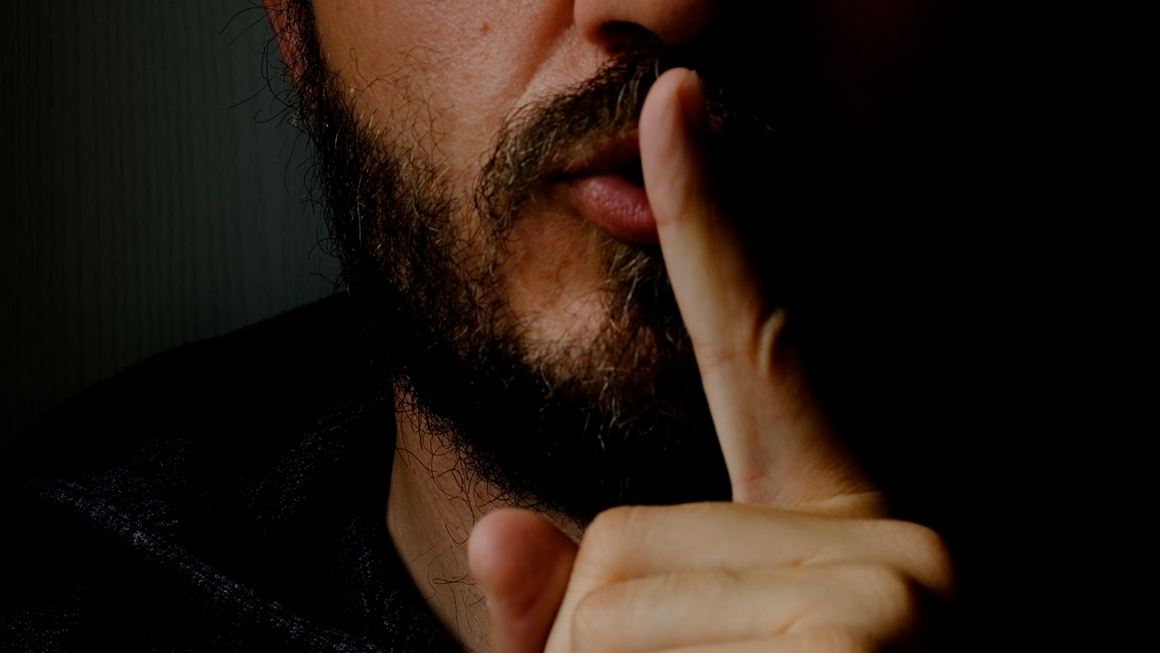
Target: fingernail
[[692, 99]]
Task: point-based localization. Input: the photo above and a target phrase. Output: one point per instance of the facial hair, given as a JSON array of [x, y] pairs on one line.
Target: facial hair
[[619, 420]]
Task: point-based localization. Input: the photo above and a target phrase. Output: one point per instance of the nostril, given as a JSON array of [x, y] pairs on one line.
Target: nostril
[[622, 35], [619, 25]]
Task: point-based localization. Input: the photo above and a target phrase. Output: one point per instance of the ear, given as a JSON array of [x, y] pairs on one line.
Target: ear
[[287, 34]]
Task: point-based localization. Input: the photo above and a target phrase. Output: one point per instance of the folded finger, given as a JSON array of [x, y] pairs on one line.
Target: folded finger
[[815, 641], [635, 542], [717, 607]]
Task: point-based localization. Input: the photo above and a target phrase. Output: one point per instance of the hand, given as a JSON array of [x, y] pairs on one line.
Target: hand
[[802, 560]]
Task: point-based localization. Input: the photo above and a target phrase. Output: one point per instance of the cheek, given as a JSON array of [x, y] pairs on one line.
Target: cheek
[[437, 76]]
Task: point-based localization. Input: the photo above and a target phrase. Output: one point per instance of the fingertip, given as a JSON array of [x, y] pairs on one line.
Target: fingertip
[[674, 103], [672, 122], [692, 98]]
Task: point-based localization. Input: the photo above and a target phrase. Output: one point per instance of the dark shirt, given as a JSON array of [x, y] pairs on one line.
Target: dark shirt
[[227, 495]]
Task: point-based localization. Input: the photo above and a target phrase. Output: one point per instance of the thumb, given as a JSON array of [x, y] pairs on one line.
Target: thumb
[[523, 563]]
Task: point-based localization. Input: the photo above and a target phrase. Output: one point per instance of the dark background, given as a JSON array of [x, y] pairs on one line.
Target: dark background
[[151, 192]]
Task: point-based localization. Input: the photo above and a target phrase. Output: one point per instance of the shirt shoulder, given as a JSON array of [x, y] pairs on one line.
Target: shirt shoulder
[[225, 495]]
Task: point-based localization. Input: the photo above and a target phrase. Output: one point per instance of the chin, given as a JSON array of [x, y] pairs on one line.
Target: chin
[[548, 353]]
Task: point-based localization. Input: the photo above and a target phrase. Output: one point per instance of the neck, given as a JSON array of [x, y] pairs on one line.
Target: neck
[[435, 500]]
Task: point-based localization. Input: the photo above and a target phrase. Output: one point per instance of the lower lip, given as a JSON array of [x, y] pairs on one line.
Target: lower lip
[[617, 206]]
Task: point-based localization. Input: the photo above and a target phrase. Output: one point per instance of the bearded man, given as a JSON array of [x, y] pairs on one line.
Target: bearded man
[[589, 385]]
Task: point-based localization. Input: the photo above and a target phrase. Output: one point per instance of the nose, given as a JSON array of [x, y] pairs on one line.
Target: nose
[[617, 24]]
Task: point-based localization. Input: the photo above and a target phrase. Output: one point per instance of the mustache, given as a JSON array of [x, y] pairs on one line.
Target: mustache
[[539, 143]]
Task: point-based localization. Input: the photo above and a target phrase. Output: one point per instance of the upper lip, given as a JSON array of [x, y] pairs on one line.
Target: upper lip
[[617, 155]]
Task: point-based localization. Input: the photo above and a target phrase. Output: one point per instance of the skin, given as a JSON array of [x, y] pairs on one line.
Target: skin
[[804, 558]]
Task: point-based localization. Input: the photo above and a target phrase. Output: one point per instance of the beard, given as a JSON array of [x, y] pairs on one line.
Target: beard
[[576, 427]]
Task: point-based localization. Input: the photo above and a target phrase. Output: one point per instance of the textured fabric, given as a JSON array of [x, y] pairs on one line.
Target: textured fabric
[[228, 495]]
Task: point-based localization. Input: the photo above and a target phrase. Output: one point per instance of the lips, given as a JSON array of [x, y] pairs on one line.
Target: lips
[[607, 189]]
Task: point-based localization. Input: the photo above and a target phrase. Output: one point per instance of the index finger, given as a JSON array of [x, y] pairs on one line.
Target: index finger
[[776, 443]]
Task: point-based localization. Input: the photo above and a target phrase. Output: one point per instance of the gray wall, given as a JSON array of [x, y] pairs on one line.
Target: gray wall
[[151, 192]]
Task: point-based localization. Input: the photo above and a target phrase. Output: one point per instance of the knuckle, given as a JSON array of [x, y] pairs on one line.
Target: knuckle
[[894, 597], [609, 528], [597, 621], [612, 520], [767, 340], [928, 556], [607, 543]]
